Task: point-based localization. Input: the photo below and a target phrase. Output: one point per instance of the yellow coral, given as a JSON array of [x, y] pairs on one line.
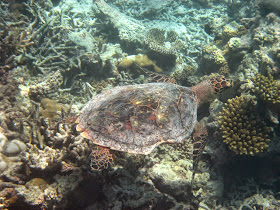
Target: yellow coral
[[215, 55], [50, 108], [242, 128], [141, 60], [233, 29], [266, 88]]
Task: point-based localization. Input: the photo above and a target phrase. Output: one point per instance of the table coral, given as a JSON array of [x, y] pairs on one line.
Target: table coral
[[166, 42], [242, 127]]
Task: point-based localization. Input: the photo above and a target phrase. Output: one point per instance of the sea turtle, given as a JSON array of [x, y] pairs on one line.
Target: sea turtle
[[137, 118]]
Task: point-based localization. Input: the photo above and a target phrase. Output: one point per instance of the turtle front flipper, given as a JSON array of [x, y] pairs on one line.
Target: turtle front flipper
[[100, 158], [157, 77]]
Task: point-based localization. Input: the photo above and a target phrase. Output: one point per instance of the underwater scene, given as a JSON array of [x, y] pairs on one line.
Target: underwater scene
[[140, 104]]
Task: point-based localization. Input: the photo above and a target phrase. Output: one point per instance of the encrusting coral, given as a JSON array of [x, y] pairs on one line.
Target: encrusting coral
[[50, 109], [266, 88], [233, 29], [213, 55], [242, 128]]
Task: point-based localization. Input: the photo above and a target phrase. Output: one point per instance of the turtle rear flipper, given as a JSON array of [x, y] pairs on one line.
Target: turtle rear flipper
[[199, 141]]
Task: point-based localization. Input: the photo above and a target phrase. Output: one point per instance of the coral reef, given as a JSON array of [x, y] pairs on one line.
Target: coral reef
[[215, 60], [265, 44], [233, 29], [166, 42], [129, 29], [50, 84], [242, 128], [42, 159], [15, 37], [50, 109], [56, 55], [266, 88]]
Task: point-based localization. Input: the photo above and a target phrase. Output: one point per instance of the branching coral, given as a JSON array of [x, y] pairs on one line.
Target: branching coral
[[166, 42], [15, 37], [42, 159], [242, 128], [266, 88]]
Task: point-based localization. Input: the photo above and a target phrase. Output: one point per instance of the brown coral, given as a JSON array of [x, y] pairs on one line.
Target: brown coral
[[213, 56], [242, 127], [266, 88]]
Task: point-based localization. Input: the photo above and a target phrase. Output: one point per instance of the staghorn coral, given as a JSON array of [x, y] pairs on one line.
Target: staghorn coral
[[266, 88], [14, 35], [166, 42], [242, 128]]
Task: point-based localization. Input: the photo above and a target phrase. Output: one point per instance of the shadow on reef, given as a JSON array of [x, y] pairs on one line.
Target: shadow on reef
[[251, 175]]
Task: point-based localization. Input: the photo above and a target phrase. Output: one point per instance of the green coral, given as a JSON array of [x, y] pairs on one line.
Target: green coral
[[234, 43], [266, 88], [233, 29], [242, 128]]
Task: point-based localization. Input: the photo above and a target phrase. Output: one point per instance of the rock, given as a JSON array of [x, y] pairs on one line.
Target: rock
[[14, 147], [3, 141], [3, 164], [173, 178]]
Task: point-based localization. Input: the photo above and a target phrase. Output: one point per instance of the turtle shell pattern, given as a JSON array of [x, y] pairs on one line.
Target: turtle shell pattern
[[137, 118]]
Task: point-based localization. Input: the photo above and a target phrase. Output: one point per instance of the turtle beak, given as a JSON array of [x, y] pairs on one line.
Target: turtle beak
[[86, 135]]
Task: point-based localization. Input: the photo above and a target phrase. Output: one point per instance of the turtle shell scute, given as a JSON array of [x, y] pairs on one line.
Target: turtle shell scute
[[137, 118]]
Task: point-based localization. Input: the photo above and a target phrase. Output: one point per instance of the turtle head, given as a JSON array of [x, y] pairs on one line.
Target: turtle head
[[220, 83], [208, 89]]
